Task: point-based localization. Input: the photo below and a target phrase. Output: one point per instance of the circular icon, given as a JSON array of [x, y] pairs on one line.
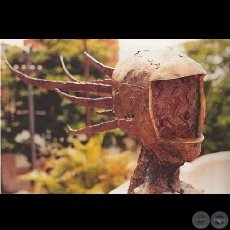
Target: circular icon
[[201, 220], [219, 220]]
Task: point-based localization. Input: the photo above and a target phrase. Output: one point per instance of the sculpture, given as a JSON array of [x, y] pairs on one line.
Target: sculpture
[[158, 97]]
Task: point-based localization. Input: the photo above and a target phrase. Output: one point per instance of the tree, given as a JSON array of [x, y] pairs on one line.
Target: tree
[[58, 111], [214, 56]]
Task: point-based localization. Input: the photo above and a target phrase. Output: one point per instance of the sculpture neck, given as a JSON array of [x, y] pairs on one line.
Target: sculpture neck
[[152, 175]]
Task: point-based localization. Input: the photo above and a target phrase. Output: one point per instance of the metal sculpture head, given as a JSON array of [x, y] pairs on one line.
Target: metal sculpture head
[[161, 94], [157, 96]]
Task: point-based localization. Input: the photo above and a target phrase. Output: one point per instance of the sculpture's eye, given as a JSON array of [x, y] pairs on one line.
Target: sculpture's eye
[[159, 84], [187, 115], [186, 80], [164, 122], [175, 107]]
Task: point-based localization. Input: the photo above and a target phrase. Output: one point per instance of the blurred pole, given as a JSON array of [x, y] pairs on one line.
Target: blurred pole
[[31, 110], [88, 110]]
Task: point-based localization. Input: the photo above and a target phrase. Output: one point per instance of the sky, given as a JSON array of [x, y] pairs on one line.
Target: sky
[[129, 46]]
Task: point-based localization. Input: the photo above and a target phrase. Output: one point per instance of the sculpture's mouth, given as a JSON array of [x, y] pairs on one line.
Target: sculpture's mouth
[[177, 109], [183, 140]]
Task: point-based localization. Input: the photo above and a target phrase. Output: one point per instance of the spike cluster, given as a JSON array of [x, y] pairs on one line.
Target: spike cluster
[[102, 87]]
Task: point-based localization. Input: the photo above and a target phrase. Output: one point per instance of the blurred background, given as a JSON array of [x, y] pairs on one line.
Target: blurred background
[[38, 156]]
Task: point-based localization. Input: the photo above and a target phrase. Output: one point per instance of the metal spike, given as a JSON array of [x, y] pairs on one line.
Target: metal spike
[[105, 126], [71, 77], [98, 65], [106, 113], [104, 102], [63, 86]]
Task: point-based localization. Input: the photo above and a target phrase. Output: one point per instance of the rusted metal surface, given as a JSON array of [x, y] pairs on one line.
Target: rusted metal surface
[[157, 97]]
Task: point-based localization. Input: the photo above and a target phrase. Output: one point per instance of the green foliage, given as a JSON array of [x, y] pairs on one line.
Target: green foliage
[[214, 55], [81, 169]]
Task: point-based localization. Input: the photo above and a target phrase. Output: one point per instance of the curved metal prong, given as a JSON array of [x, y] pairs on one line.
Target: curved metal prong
[[104, 102], [98, 65], [63, 86], [105, 126], [107, 113], [70, 76]]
